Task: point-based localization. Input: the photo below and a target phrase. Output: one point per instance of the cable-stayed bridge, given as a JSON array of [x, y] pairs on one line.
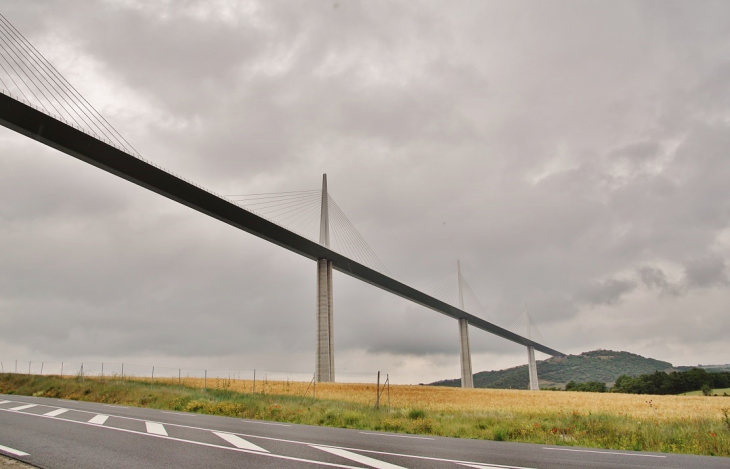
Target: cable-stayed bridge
[[38, 102]]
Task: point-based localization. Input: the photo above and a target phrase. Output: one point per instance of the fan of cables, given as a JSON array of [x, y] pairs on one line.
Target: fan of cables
[[447, 290], [300, 212], [525, 326], [27, 76]]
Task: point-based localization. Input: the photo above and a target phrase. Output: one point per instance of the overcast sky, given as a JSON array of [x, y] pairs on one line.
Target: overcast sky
[[572, 155]]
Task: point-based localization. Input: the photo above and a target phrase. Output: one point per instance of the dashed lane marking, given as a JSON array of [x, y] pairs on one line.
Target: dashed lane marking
[[99, 419], [359, 458], [156, 428], [192, 442], [13, 451], [23, 407], [5, 402], [56, 413], [239, 442]]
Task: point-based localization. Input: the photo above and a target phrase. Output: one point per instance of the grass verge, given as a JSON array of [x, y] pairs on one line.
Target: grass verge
[[699, 434]]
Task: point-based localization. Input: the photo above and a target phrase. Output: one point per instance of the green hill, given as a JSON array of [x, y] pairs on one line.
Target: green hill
[[599, 365]]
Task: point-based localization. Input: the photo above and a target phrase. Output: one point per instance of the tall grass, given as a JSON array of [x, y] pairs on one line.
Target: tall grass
[[677, 424]]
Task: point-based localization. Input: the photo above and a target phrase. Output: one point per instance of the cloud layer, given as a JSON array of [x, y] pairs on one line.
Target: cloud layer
[[573, 155]]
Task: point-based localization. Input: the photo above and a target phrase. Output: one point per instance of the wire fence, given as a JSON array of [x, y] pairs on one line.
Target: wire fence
[[196, 377]]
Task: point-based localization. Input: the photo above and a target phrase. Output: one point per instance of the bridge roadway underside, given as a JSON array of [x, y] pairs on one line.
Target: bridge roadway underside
[[32, 123]]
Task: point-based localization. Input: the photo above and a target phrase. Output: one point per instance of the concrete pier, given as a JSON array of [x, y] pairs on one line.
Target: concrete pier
[[467, 377], [325, 326], [325, 366], [532, 367]]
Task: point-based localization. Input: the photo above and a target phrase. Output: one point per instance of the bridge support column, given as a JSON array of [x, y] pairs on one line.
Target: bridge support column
[[325, 369], [532, 367], [467, 377]]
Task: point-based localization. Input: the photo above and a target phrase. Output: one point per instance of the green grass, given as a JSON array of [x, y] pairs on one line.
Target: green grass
[[715, 392], [703, 435]]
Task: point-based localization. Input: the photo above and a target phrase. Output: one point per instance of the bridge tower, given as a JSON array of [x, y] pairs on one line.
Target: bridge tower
[[325, 367], [531, 363], [467, 377]]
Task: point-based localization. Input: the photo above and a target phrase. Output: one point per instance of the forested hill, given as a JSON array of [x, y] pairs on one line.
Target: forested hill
[[599, 365]]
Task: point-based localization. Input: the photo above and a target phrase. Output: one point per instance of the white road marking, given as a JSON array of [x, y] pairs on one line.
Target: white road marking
[[55, 413], [185, 414], [156, 428], [398, 436], [490, 466], [377, 464], [606, 452], [12, 451], [239, 442], [199, 443], [5, 402], [23, 407], [283, 440], [99, 419]]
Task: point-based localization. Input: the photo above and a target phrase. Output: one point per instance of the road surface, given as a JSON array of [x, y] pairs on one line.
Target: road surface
[[59, 434]]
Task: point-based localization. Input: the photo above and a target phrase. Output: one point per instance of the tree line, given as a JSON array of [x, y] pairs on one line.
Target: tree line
[[659, 382]]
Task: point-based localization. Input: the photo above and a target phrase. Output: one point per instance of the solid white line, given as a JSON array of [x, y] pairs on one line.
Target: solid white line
[[12, 451], [23, 407], [495, 466], [606, 452], [239, 442], [377, 464], [156, 428], [56, 412], [99, 419], [398, 436], [184, 414], [200, 443]]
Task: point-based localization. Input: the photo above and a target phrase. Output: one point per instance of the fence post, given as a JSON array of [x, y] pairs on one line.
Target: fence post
[[102, 371], [254, 382], [179, 377], [61, 369], [122, 373], [41, 368], [82, 372], [387, 380], [377, 393], [205, 381], [314, 393]]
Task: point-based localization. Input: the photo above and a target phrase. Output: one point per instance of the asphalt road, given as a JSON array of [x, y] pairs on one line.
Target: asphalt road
[[55, 433]]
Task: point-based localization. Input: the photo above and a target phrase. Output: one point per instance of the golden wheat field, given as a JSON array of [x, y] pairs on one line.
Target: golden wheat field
[[437, 398]]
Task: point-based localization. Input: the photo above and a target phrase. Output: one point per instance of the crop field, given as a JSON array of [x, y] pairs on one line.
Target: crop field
[[446, 399], [679, 424]]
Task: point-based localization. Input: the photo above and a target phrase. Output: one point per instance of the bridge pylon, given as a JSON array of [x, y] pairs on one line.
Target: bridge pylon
[[531, 363], [325, 366], [467, 377]]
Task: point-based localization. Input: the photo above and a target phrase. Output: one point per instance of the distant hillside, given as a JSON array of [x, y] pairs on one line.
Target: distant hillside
[[599, 365]]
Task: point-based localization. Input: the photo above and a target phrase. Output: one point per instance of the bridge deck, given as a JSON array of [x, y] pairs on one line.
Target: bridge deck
[[32, 123]]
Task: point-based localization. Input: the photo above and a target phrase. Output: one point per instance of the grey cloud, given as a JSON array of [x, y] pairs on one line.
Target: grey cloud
[[706, 272], [608, 292], [530, 140]]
